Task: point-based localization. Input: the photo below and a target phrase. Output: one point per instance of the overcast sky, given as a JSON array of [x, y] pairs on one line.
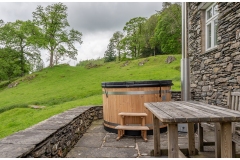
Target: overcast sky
[[96, 20]]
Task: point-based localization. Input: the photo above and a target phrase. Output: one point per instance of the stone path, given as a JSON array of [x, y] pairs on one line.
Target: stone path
[[98, 143]]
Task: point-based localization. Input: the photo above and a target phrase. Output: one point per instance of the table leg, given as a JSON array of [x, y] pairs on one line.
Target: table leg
[[226, 140], [156, 136], [173, 141], [191, 139], [217, 140], [200, 137]]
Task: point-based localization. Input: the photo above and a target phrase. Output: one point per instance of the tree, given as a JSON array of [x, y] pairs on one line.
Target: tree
[[20, 36], [39, 65], [134, 38], [168, 30], [110, 53], [10, 64], [56, 39], [150, 41], [166, 4], [116, 40]]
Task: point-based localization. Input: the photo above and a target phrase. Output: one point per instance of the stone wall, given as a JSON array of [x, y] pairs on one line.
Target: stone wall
[[216, 71], [52, 138], [176, 95]]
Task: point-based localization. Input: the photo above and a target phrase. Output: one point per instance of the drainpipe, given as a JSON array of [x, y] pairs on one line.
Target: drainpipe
[[185, 78], [185, 72]]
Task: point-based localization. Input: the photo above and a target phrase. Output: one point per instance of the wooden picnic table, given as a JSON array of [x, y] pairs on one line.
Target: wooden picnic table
[[190, 112]]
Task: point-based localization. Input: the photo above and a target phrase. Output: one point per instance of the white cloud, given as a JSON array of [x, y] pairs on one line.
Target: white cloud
[[96, 21], [94, 45]]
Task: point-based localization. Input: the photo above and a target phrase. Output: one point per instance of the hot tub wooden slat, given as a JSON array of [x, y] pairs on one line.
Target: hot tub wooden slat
[[130, 102]]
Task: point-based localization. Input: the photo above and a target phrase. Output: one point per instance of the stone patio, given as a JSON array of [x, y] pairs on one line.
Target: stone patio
[[98, 143]]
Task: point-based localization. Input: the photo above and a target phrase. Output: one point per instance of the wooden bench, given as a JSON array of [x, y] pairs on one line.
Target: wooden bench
[[122, 127], [233, 102]]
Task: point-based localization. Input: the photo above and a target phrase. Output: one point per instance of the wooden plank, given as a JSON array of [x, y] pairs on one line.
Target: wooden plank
[[156, 136], [214, 108], [202, 116], [180, 154], [233, 102], [114, 104], [190, 115], [238, 107], [236, 138], [229, 99], [122, 120], [235, 93], [191, 139], [200, 137], [236, 103], [132, 114], [131, 127], [161, 115], [223, 114], [226, 140], [177, 114], [172, 141], [217, 140]]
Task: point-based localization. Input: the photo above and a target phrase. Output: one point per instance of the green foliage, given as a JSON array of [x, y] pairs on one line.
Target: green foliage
[[116, 40], [18, 36], [133, 40], [152, 46], [159, 34], [63, 87], [168, 30], [10, 64], [55, 37], [84, 63], [110, 55]]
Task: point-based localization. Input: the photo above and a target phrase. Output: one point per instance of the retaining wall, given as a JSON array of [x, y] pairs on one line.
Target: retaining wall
[[56, 136], [51, 138]]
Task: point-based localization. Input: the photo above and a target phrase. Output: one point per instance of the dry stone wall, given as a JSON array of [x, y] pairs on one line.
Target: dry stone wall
[[52, 138], [216, 71], [56, 136], [176, 95]]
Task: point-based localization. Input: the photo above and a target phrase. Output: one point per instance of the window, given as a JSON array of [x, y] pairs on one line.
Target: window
[[211, 26]]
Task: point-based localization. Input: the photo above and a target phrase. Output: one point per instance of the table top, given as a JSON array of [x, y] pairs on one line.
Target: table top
[[191, 112]]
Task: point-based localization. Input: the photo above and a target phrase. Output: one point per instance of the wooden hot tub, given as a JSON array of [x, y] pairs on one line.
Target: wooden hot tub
[[130, 96]]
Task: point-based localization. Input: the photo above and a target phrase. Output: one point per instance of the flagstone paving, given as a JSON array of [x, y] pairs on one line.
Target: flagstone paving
[[98, 143]]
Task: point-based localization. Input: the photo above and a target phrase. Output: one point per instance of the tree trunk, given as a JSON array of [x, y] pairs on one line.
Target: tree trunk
[[135, 51], [138, 50], [51, 59], [119, 58], [22, 61], [154, 51]]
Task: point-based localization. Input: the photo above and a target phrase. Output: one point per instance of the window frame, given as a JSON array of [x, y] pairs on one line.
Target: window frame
[[211, 21]]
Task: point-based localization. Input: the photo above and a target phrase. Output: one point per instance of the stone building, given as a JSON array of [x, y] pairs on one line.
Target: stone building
[[214, 50]]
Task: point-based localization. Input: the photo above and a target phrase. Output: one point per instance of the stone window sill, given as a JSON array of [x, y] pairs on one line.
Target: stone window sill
[[210, 50]]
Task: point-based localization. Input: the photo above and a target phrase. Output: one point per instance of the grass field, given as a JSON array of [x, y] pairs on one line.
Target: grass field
[[63, 87]]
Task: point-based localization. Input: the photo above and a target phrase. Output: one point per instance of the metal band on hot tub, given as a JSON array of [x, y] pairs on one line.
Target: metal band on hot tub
[[134, 92]]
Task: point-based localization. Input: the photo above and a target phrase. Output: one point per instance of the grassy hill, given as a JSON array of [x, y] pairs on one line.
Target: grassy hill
[[63, 87]]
